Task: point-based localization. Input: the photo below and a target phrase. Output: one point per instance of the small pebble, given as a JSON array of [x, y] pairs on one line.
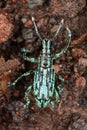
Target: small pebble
[[76, 52], [35, 3], [6, 27], [80, 82]]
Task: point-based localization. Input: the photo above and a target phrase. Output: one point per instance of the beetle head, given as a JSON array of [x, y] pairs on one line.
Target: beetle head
[[46, 43]]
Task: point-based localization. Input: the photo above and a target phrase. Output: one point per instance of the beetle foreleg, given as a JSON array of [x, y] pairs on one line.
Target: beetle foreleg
[[25, 51], [26, 96], [65, 49]]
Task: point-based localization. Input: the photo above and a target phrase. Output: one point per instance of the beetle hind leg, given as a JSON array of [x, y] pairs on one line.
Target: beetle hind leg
[[60, 89], [54, 102], [26, 96], [59, 86]]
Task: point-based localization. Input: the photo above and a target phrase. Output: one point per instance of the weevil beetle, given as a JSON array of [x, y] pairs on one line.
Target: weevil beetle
[[44, 76]]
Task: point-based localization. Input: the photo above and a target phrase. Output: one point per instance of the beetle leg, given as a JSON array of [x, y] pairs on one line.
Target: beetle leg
[[53, 104], [57, 99], [61, 78], [65, 49], [26, 96], [25, 51], [60, 89], [23, 75]]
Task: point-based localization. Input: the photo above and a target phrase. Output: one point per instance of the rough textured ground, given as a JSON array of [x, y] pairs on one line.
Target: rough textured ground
[[16, 32]]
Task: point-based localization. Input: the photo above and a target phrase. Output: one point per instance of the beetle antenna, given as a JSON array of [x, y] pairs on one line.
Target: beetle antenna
[[59, 28], [36, 29]]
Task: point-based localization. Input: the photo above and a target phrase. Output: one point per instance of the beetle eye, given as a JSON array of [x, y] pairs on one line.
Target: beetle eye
[[45, 64]]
